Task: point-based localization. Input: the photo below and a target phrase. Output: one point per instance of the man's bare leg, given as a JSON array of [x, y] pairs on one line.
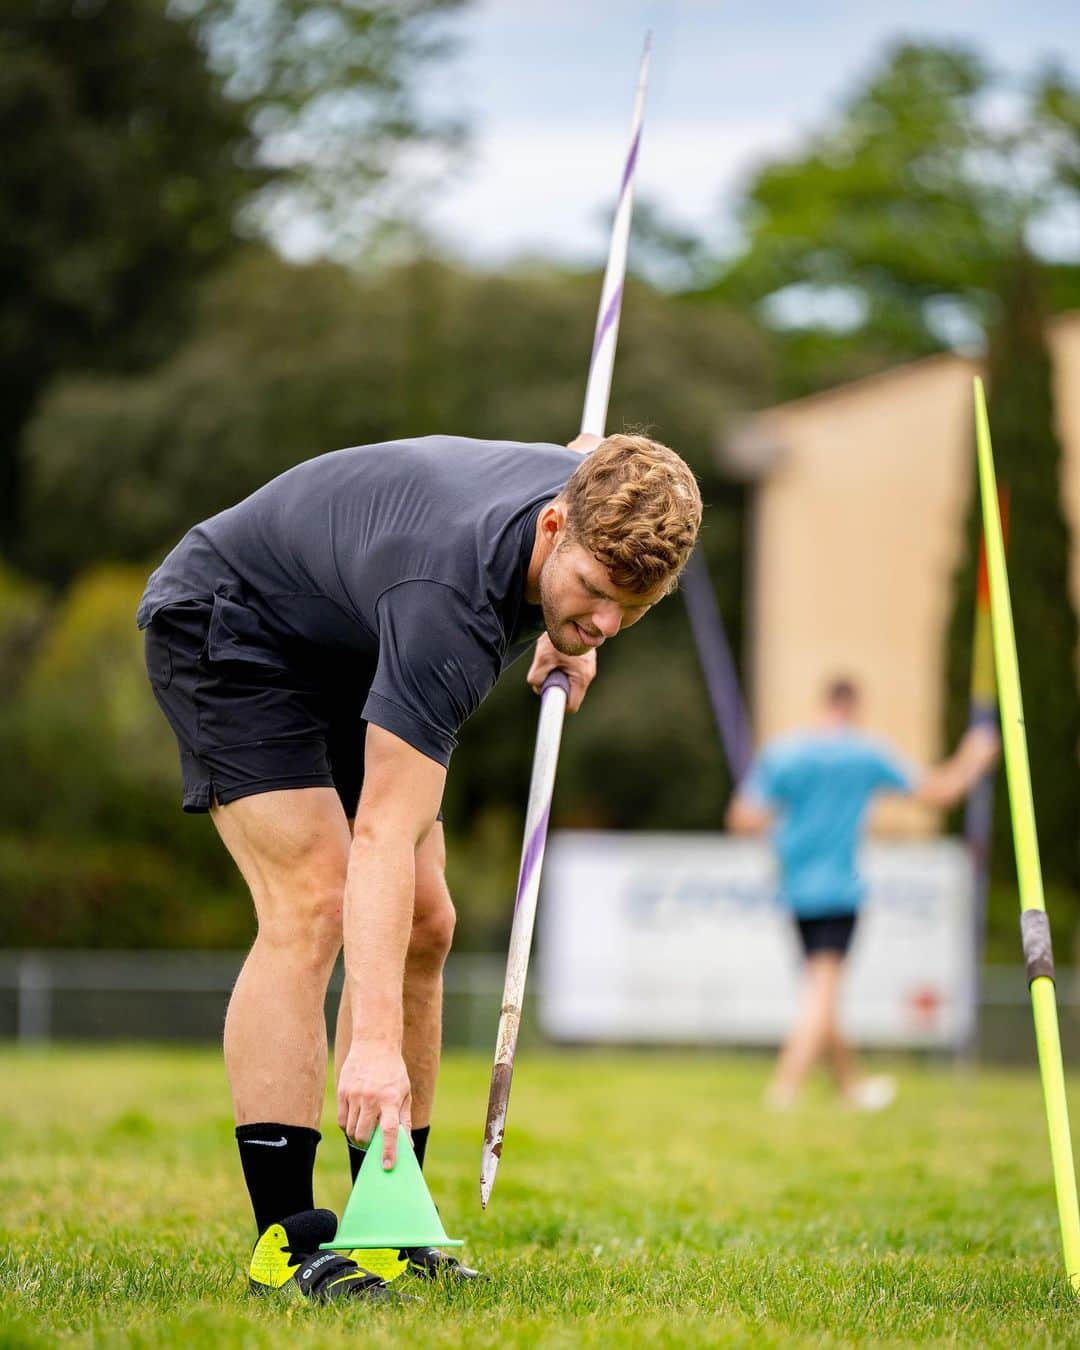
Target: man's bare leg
[[292, 848], [810, 1037], [841, 1061]]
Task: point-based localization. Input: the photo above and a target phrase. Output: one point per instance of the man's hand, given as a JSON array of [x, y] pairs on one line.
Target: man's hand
[[980, 749], [373, 1089], [747, 816], [944, 785], [580, 670]]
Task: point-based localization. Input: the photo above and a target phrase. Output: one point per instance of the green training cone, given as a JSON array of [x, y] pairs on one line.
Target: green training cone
[[390, 1208]]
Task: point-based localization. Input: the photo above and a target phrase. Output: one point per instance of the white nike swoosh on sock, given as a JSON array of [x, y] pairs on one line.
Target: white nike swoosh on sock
[[270, 1143]]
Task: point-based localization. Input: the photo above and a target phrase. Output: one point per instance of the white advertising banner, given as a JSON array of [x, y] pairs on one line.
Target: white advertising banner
[[681, 938]]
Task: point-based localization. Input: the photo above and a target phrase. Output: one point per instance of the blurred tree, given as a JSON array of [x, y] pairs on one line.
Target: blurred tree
[[94, 850], [1059, 110], [332, 93], [665, 252], [130, 155], [1028, 461], [24, 614], [123, 164], [884, 238], [287, 361]]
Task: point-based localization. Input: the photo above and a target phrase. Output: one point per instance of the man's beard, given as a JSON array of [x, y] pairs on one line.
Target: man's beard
[[562, 632]]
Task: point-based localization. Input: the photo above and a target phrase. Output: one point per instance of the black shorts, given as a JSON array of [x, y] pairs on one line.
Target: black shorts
[[275, 719], [829, 933]]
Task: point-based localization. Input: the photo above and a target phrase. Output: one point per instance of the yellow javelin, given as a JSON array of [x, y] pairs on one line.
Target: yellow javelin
[[1034, 926]]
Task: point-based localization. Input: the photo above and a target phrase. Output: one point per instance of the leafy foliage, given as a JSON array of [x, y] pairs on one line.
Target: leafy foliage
[[285, 362], [906, 205], [123, 165], [130, 157], [94, 850], [332, 97], [1028, 462]]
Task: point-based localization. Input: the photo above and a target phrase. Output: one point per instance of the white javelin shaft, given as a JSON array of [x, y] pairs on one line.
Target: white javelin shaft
[[598, 389], [557, 686]]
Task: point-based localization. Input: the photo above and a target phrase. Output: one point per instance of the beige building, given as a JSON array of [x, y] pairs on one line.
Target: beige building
[[856, 529]]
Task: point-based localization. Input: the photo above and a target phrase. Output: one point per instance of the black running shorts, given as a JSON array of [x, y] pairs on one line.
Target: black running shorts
[[251, 726], [829, 933]]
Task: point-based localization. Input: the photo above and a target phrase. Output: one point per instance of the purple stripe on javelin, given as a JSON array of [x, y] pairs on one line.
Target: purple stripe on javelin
[[610, 316], [532, 854], [631, 160]]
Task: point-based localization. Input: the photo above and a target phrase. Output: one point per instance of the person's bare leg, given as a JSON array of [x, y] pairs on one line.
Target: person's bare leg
[[809, 1039], [292, 848], [342, 1030], [841, 1060], [343, 1022]]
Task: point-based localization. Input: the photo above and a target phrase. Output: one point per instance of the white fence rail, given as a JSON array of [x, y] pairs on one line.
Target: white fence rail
[[181, 995], [150, 995]]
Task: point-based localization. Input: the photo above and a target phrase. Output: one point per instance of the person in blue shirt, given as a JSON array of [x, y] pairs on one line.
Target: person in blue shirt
[[811, 790]]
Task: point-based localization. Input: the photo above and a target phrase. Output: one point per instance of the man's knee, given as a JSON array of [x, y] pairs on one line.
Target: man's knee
[[302, 910], [433, 921]]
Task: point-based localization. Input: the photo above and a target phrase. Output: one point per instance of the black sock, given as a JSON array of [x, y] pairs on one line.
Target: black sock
[[356, 1157], [278, 1161], [357, 1151]]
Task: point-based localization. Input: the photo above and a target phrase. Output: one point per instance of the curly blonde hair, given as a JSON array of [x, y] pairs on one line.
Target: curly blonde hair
[[635, 505]]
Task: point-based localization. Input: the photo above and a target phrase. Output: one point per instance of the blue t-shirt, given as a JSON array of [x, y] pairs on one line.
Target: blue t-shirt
[[819, 784]]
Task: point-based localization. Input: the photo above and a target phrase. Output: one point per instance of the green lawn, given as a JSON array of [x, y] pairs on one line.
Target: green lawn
[[642, 1200]]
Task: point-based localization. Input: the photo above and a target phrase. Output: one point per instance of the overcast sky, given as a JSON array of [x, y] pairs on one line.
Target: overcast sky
[[548, 87]]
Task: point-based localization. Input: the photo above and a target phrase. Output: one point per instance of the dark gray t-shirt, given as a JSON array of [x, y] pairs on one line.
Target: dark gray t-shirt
[[412, 554]]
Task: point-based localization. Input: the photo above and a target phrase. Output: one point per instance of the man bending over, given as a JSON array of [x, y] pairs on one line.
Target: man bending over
[[316, 650]]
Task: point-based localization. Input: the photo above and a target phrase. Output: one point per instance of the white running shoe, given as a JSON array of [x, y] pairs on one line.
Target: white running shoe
[[873, 1094]]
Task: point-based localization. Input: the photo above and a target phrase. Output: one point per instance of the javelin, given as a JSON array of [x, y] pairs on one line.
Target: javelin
[[557, 686], [1034, 925]]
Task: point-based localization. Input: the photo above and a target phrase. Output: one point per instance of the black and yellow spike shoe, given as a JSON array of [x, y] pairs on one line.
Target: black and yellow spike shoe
[[287, 1257], [432, 1263], [429, 1263], [386, 1262]]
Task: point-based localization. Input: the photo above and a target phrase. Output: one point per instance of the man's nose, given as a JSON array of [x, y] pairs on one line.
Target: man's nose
[[607, 619]]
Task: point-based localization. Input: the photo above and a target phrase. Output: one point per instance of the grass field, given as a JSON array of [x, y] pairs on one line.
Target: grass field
[[641, 1200]]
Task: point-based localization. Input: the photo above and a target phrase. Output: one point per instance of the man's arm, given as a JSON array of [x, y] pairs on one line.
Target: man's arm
[[398, 806], [750, 810], [947, 783]]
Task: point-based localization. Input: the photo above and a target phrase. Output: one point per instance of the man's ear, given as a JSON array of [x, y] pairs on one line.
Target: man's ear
[[552, 521]]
